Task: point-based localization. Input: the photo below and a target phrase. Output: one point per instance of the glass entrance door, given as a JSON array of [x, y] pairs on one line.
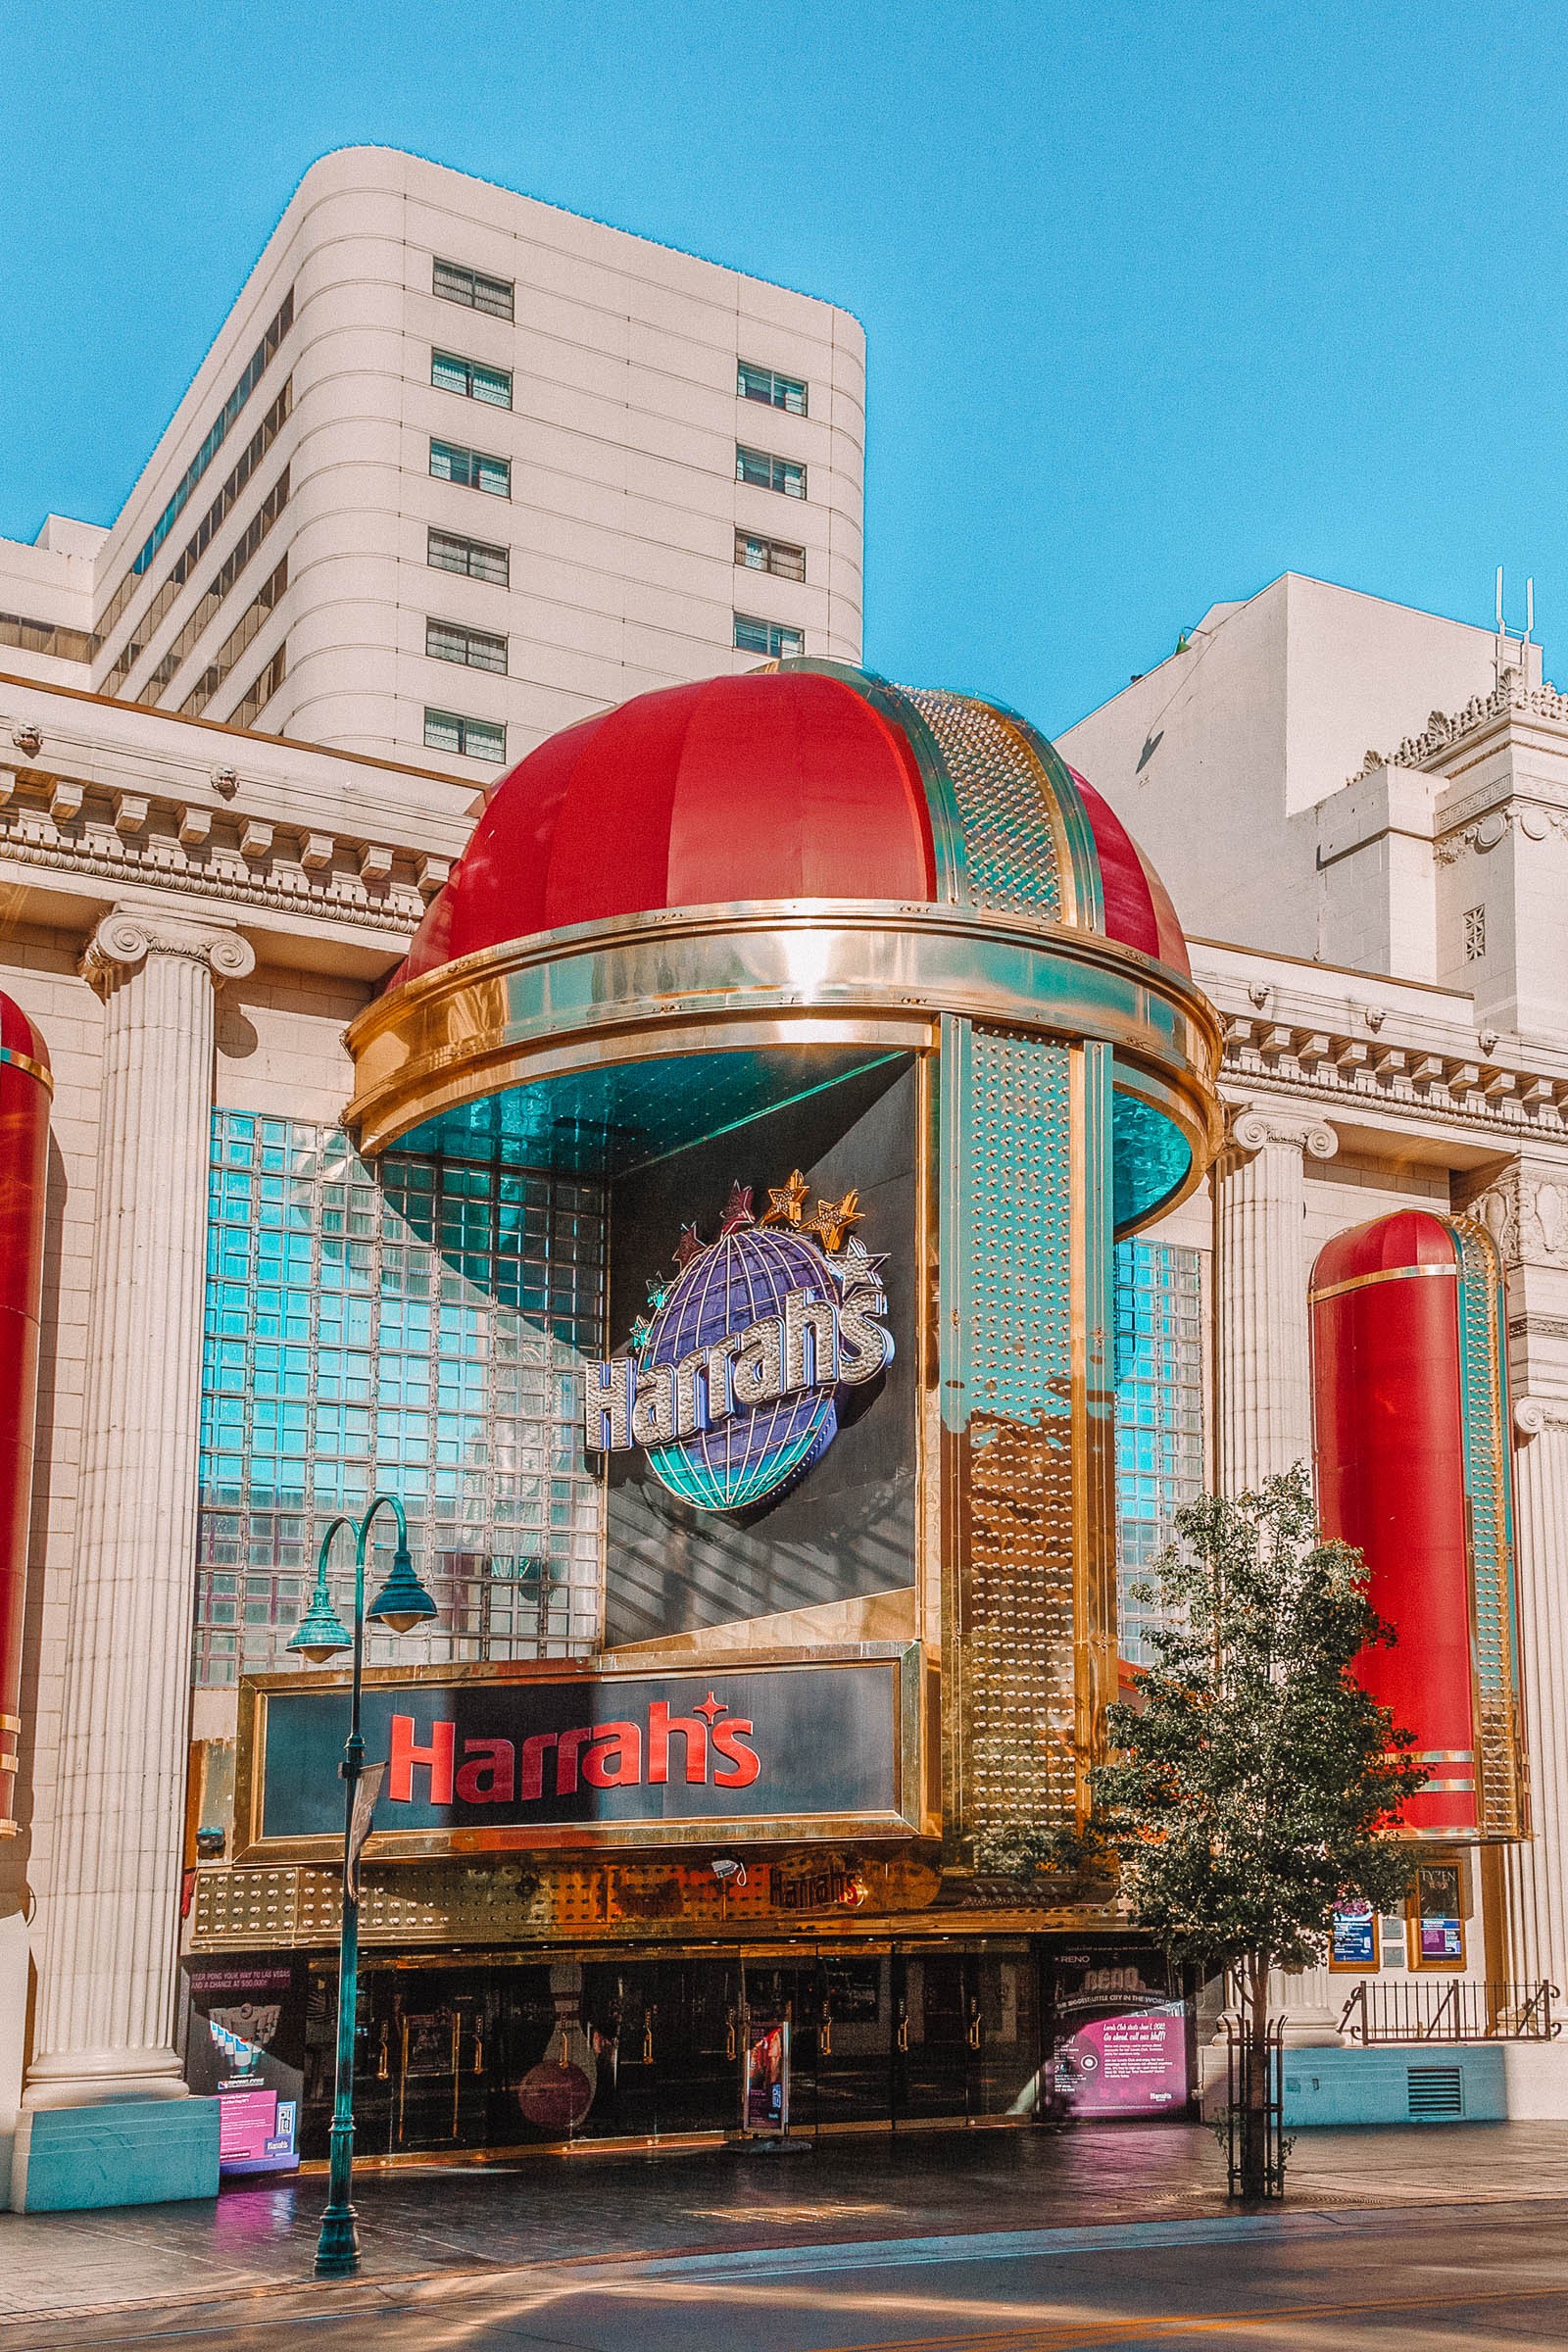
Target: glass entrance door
[[854, 2041], [966, 2035], [935, 2040]]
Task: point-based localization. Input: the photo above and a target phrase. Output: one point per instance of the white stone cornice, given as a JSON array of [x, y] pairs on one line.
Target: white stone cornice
[[128, 935]]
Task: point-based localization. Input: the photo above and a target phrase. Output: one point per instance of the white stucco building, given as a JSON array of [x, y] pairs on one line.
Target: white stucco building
[[460, 468]]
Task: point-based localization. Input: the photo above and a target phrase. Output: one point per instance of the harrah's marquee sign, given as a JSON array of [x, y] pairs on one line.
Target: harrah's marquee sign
[[731, 1382], [507, 1758]]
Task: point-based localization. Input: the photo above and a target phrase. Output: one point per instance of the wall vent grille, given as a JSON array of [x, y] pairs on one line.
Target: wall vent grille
[[1435, 2092]]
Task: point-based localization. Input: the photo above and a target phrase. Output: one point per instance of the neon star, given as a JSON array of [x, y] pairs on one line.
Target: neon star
[[639, 1332], [737, 1210], [658, 1292], [859, 1269], [712, 1708], [691, 1244], [834, 1218], [785, 1201]]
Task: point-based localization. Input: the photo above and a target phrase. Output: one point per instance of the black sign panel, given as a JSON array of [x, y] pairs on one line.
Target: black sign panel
[[487, 1761]]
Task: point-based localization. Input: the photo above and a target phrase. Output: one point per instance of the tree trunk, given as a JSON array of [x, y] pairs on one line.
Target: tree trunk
[[1254, 1983]]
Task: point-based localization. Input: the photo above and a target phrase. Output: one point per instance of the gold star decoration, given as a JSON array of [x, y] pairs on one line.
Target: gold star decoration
[[834, 1218], [785, 1201]]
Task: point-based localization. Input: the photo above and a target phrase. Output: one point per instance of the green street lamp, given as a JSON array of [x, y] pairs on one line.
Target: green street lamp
[[401, 1603]]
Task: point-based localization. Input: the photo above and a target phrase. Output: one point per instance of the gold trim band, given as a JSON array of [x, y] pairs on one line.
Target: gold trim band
[[1361, 1282], [771, 974], [34, 1070]]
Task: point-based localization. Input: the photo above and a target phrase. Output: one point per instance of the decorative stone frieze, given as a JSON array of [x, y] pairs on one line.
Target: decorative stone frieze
[[124, 837], [1443, 731]]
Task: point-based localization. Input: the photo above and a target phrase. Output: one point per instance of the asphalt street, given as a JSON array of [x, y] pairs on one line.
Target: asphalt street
[[1473, 2276]]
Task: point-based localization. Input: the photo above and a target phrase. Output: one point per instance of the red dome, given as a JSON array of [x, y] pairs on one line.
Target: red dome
[[1138, 908], [799, 782], [772, 786], [1410, 1237]]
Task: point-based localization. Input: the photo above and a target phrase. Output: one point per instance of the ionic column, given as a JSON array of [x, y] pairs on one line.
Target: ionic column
[[1265, 1366], [106, 2011], [1538, 1895]]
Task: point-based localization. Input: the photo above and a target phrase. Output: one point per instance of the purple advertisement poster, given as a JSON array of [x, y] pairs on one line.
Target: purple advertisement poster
[[1122, 2033], [245, 2044], [1134, 2064]]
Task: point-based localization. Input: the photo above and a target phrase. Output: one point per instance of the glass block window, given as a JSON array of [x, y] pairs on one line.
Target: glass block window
[[1160, 1411], [415, 1326]]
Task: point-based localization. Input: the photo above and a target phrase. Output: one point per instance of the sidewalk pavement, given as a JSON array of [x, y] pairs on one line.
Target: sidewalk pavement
[[432, 2220]]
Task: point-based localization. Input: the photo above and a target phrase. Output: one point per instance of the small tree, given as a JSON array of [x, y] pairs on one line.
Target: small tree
[[1253, 1780]]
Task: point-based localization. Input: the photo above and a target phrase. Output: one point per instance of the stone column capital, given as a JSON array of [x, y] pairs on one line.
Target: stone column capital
[[1532, 1415], [129, 934], [1259, 1126]]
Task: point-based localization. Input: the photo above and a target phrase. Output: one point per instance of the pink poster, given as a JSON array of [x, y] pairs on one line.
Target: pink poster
[[1134, 2064]]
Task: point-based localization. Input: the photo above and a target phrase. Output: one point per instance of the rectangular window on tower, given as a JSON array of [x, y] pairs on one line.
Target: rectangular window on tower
[[767, 473], [767, 386], [470, 738], [470, 377], [453, 282], [477, 649], [770, 637], [470, 469], [753, 553], [475, 558]]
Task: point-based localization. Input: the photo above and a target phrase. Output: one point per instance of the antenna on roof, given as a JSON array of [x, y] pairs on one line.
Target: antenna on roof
[[1529, 610], [1499, 600]]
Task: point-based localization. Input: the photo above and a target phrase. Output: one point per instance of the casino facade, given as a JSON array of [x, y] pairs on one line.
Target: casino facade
[[775, 1208]]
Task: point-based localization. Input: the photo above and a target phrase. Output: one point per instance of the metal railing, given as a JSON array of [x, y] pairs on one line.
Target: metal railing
[[1450, 2009], [1256, 2145]]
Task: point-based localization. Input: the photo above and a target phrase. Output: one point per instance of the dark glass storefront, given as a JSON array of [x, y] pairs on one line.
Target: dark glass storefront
[[458, 2056]]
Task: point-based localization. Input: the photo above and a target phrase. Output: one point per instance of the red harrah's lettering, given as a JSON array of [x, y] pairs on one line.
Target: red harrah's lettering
[[601, 1755]]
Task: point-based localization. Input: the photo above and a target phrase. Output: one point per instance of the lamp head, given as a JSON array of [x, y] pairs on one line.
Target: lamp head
[[403, 1601], [321, 1633]]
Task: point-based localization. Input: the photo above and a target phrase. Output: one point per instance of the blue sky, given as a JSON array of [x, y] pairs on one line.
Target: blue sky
[[1161, 300]]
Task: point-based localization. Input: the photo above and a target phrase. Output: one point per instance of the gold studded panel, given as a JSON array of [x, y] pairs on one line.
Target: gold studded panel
[[1012, 1195], [1009, 845]]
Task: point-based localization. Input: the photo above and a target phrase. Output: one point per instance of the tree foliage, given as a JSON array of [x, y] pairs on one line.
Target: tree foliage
[[1252, 1782]]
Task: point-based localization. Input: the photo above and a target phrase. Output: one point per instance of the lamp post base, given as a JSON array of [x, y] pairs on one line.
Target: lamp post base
[[337, 2251]]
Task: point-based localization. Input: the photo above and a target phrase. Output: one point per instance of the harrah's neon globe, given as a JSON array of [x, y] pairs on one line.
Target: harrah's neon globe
[[731, 1383]]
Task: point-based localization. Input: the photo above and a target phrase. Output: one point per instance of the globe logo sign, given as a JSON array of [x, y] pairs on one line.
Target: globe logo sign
[[731, 1382]]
